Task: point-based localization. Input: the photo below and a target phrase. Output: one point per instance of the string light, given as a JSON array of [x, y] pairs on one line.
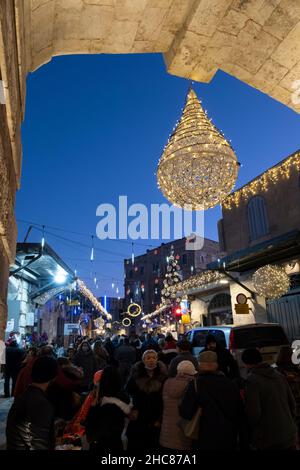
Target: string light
[[271, 281], [263, 182], [198, 166], [92, 251], [43, 237], [89, 295]]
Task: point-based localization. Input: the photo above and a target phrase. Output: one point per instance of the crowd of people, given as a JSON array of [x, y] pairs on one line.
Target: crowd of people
[[140, 394]]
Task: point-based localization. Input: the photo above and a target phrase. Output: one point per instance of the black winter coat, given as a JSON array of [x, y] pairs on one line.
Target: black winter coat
[[88, 362], [14, 357], [146, 394], [105, 423], [221, 410], [270, 408], [30, 422]]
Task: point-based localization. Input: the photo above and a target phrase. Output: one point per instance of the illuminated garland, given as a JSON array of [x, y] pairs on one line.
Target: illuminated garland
[[90, 296], [198, 280], [155, 313], [261, 183]]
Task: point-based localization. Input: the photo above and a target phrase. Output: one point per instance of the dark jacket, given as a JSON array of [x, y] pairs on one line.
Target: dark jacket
[[146, 394], [221, 410], [226, 362], [87, 361], [30, 422], [292, 375], [14, 357], [105, 423], [125, 353], [270, 408], [183, 356], [61, 392]]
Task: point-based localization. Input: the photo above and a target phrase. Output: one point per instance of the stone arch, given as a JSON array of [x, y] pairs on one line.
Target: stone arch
[[197, 38], [220, 310]]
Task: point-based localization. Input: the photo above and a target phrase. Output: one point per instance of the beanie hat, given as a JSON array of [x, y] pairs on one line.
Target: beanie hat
[[208, 357], [44, 370], [186, 367]]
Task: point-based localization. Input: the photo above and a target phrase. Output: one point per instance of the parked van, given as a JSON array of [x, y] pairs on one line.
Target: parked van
[[267, 337]]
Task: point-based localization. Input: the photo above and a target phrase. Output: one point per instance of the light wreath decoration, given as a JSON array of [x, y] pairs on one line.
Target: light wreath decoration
[[198, 167], [90, 296], [263, 182], [134, 310], [271, 281], [126, 322]]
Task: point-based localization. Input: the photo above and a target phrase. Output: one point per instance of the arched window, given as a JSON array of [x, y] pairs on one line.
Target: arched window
[[257, 218]]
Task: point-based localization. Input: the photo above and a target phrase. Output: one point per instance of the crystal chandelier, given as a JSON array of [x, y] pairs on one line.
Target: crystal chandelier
[[198, 167], [271, 281]]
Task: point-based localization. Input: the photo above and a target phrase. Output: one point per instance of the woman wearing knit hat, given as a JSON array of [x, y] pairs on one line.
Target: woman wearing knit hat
[[145, 386], [171, 436]]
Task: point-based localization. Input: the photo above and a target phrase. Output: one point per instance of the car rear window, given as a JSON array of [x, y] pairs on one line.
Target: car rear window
[[259, 337], [200, 336]]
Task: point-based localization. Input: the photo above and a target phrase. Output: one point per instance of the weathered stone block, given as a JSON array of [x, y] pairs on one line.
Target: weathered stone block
[[129, 10], [151, 24], [121, 36], [249, 53], [233, 22], [96, 22], [257, 10], [76, 46], [42, 22], [288, 51], [291, 77], [177, 15], [207, 16], [283, 18], [271, 72]]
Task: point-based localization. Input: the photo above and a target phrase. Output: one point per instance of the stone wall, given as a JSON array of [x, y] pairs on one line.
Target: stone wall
[[258, 313], [283, 212]]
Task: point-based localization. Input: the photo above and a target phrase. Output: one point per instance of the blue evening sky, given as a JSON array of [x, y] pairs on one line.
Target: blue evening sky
[[94, 129]]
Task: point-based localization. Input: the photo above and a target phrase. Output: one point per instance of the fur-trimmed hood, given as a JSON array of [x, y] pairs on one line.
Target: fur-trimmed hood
[[125, 407], [146, 383]]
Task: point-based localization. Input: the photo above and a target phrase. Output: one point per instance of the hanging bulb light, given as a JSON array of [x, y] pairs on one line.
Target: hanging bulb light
[[117, 290], [113, 285], [92, 251], [132, 255], [198, 168], [43, 237]]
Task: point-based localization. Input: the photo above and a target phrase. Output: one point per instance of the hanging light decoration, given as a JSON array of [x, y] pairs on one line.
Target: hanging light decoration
[[271, 281], [198, 167]]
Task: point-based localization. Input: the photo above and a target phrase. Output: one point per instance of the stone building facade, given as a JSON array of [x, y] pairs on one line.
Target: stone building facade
[[268, 213], [197, 37]]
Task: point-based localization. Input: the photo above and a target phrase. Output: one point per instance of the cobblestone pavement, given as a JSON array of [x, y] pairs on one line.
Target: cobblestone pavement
[[5, 404]]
